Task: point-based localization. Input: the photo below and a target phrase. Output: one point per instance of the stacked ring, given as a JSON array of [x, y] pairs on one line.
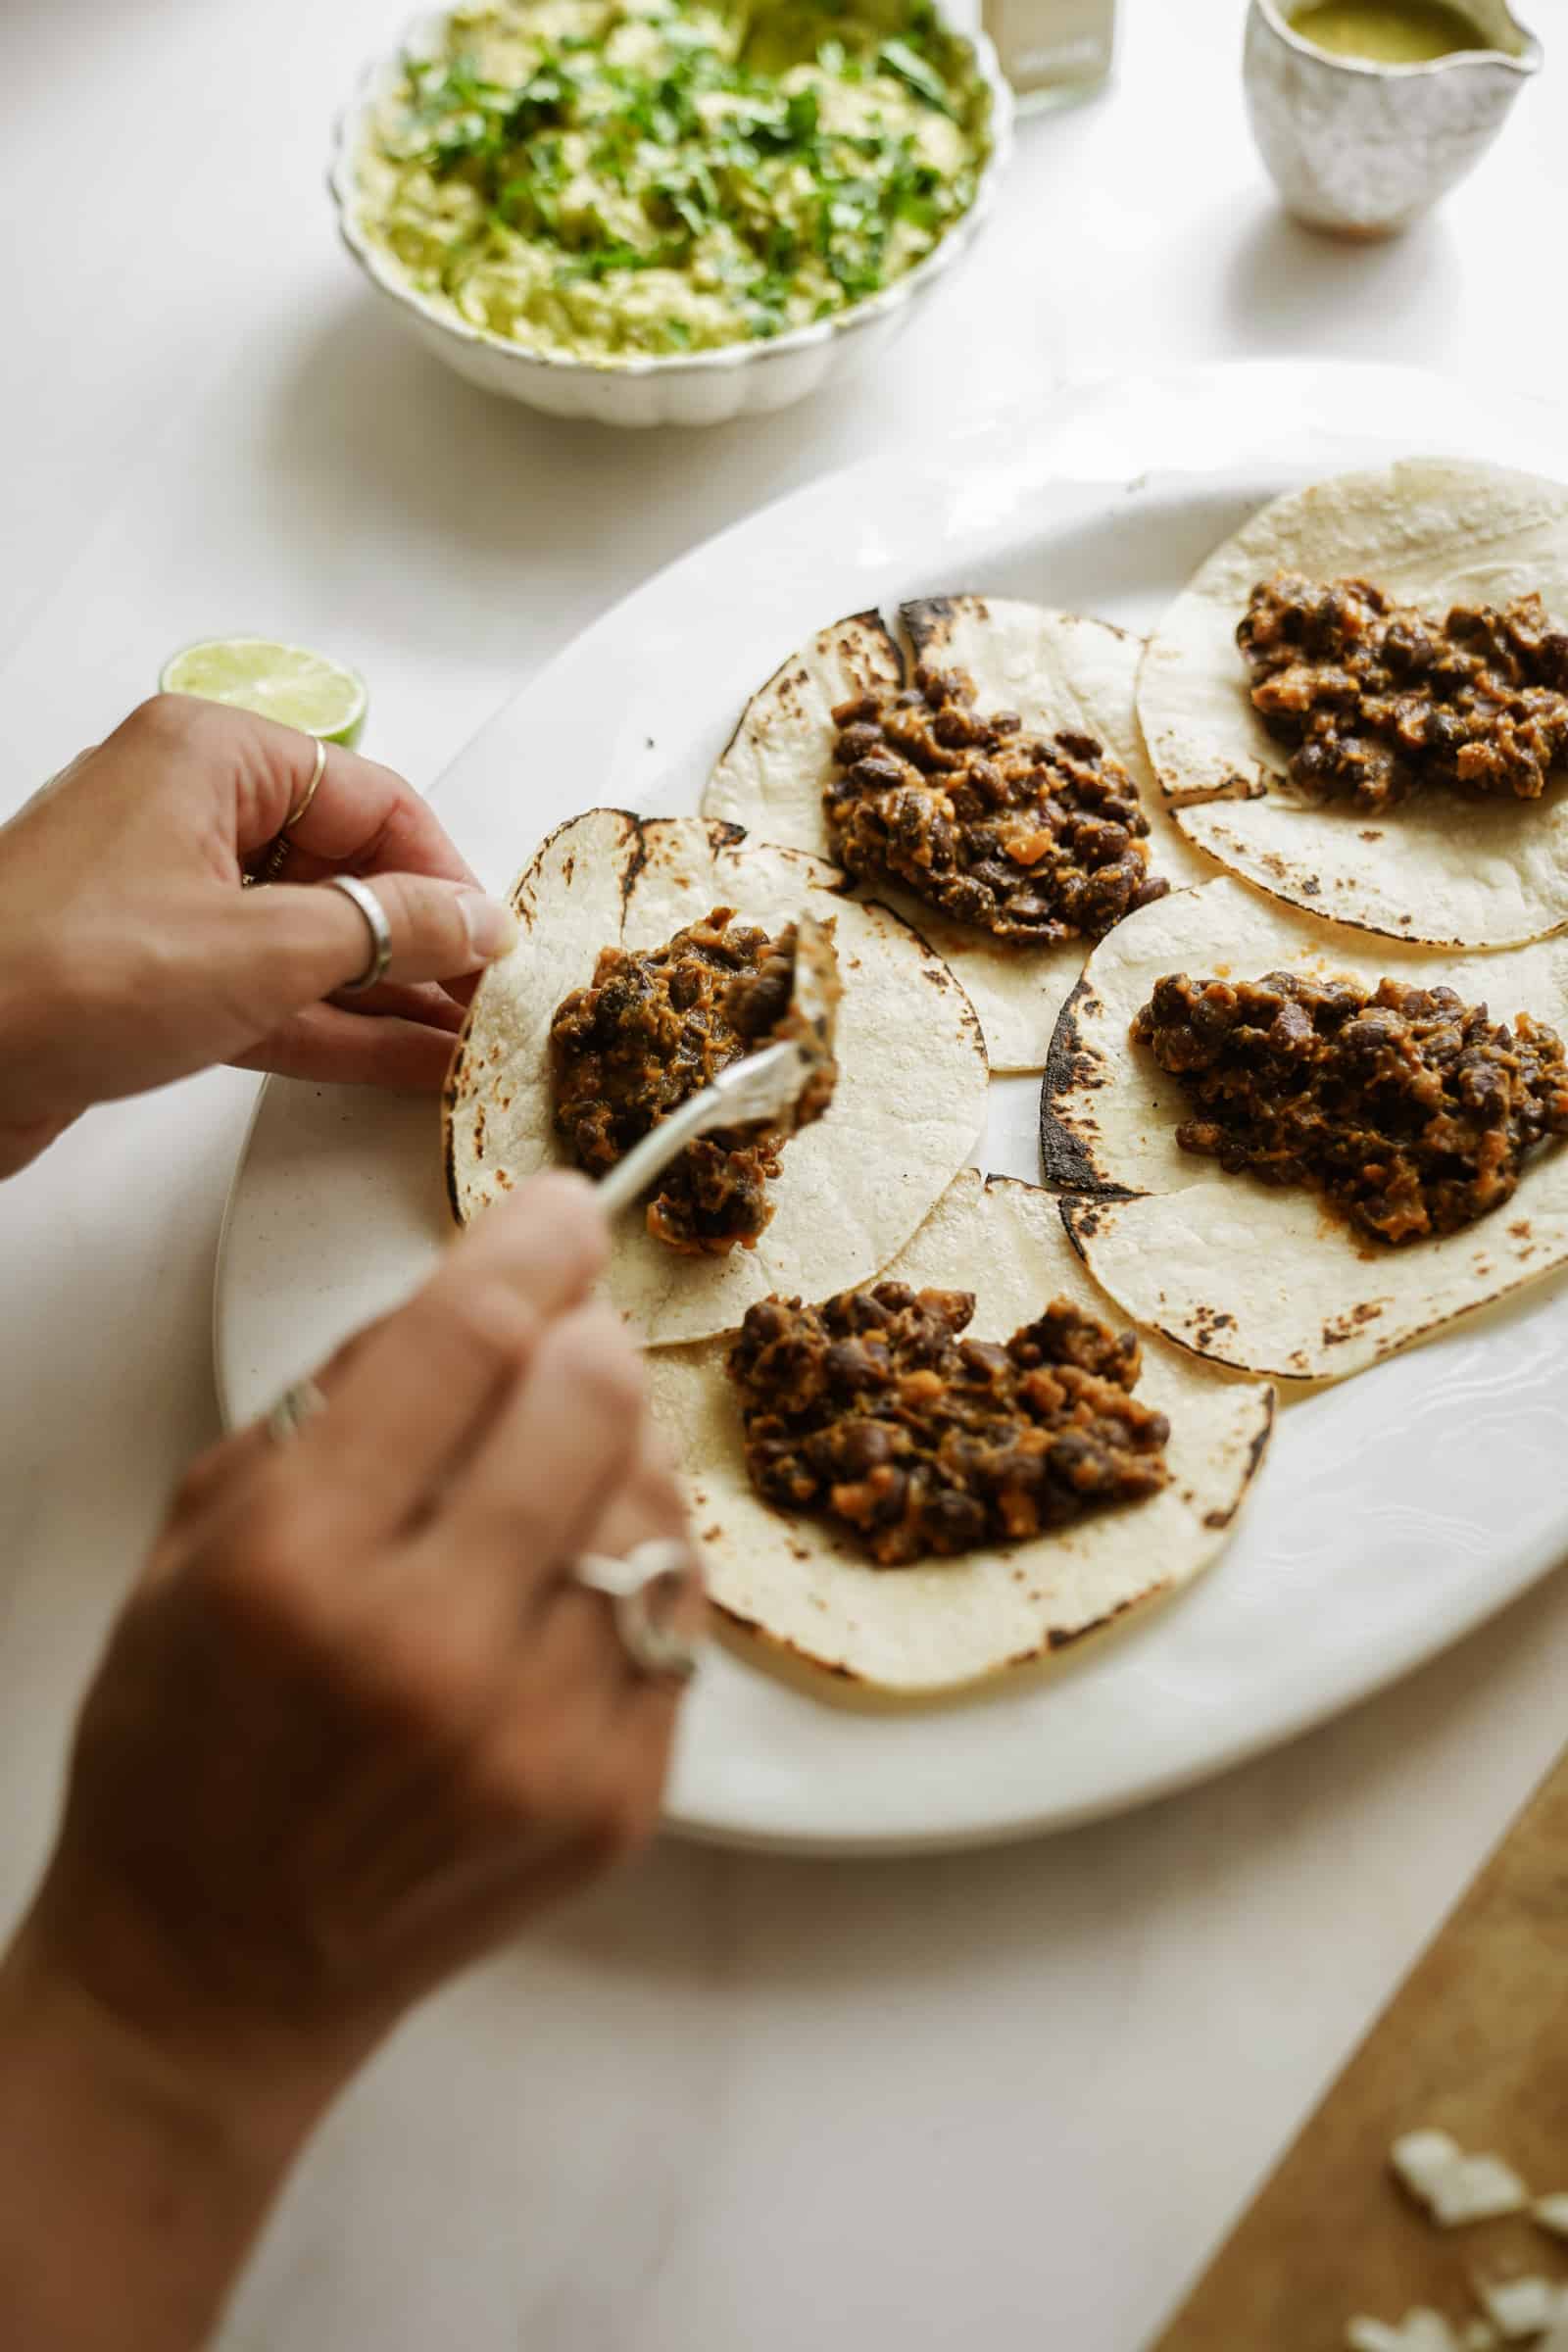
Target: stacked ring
[[272, 864], [653, 1644], [300, 1402]]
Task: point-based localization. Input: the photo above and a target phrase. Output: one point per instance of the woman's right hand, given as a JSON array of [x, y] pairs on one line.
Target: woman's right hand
[[355, 1722]]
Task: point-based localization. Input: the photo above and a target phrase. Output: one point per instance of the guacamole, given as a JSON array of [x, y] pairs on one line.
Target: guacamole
[[599, 179]]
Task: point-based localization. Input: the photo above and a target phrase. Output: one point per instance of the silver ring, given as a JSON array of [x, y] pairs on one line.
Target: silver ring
[[300, 1402], [653, 1644], [297, 812], [375, 914]]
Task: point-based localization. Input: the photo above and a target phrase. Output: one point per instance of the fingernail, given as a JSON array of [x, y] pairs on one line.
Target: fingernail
[[492, 927]]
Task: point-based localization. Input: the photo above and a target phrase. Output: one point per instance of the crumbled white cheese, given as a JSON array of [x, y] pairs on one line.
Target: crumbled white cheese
[[1421, 2158], [1557, 2340], [1455, 2187], [1518, 2308], [1426, 2330], [1553, 2212], [1420, 2330], [1480, 2337], [1479, 2189]]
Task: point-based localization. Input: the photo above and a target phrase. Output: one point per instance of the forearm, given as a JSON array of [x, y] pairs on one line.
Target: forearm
[[126, 2204]]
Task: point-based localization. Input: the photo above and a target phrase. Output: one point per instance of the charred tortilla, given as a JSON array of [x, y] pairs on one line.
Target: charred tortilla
[[1462, 866], [937, 1624], [907, 1107], [1061, 677], [1270, 1279]]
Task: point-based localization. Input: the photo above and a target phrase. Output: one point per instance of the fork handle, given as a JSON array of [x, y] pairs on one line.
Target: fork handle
[[648, 1158]]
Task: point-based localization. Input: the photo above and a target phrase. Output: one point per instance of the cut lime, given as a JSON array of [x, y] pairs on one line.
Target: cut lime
[[284, 682]]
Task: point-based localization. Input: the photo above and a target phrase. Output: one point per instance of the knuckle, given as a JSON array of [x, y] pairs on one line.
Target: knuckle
[[435, 913], [190, 1490], [483, 1315], [426, 920], [403, 906], [271, 1543], [175, 719], [269, 1570], [197, 1483], [551, 1222], [562, 1203], [351, 1351], [596, 1361]]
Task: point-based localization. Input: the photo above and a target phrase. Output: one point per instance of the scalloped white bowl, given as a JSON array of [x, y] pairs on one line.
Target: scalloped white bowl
[[710, 387]]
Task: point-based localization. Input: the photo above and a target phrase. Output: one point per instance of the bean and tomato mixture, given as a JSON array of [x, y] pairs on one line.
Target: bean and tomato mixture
[[1030, 840], [658, 1025], [874, 1413], [1377, 702], [1409, 1110]]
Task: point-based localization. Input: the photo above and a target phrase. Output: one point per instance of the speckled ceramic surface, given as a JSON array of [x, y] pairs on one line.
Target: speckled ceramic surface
[[1365, 149], [1393, 1514]]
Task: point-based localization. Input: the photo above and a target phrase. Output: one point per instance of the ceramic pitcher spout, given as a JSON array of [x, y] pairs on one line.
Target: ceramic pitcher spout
[[1363, 148], [1512, 47]]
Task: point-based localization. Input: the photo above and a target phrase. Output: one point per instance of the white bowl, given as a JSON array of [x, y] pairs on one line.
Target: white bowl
[[707, 388]]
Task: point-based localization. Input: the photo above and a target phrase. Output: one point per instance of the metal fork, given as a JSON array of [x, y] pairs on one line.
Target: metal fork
[[763, 1087], [760, 1089]]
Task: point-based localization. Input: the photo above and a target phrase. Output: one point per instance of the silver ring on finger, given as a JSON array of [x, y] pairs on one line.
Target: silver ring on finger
[[644, 1588], [375, 914], [300, 1402]]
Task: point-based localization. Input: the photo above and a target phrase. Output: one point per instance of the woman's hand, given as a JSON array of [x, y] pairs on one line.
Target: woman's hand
[[131, 955], [355, 1725]]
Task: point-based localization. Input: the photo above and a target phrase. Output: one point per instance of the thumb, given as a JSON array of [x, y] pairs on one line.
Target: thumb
[[296, 944]]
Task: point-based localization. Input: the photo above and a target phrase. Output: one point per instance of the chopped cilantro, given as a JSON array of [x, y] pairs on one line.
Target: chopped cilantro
[[907, 65], [582, 167], [801, 115]]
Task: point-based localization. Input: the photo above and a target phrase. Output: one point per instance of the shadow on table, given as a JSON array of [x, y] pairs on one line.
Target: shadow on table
[[368, 421], [1290, 289]]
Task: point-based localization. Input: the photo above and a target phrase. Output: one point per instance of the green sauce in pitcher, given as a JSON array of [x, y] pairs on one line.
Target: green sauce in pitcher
[[1387, 32]]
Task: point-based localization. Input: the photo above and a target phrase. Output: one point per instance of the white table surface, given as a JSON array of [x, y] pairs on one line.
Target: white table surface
[[1008, 2099]]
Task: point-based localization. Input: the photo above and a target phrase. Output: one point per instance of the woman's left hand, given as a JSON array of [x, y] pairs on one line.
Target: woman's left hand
[[131, 954]]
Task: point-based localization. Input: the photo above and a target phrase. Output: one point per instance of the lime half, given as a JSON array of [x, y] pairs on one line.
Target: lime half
[[284, 682]]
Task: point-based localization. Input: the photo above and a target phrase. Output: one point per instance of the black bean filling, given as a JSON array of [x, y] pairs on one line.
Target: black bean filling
[[873, 1412], [1409, 1110], [1379, 701], [1025, 839], [658, 1025]]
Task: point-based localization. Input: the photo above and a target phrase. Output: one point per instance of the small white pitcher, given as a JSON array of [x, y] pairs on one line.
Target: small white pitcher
[[1364, 149]]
